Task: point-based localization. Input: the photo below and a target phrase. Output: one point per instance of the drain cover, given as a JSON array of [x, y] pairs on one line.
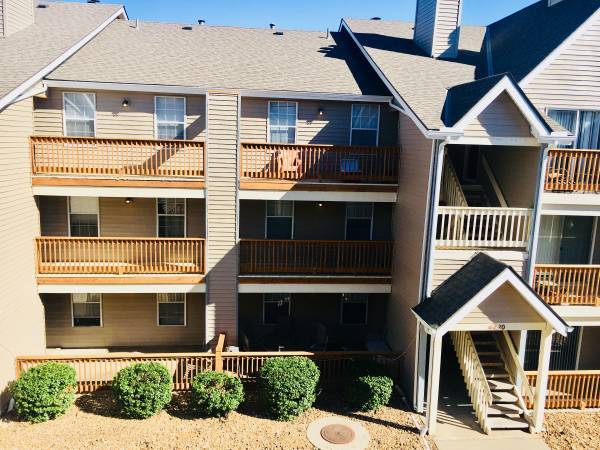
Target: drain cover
[[337, 434]]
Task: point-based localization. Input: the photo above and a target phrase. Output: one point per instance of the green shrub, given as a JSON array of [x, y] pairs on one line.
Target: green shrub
[[216, 394], [288, 386], [45, 391], [142, 389], [368, 386]]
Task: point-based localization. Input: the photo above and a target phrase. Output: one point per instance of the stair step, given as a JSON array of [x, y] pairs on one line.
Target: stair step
[[500, 385], [493, 353], [504, 397], [494, 372], [507, 409], [506, 423]]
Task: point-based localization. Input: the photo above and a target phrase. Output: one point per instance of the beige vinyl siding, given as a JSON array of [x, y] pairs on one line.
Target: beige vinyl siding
[[15, 15], [21, 311], [1, 18], [54, 216], [221, 219], [501, 118], [409, 230], [448, 262], [425, 24], [572, 80], [445, 44], [196, 217], [127, 320], [115, 121]]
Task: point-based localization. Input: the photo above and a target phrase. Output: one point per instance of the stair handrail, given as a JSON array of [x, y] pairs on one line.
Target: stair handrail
[[452, 192], [493, 181], [472, 369]]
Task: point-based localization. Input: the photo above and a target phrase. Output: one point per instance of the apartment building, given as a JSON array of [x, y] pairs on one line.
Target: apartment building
[[376, 188]]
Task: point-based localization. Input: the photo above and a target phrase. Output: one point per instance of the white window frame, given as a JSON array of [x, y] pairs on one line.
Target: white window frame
[[342, 311], [158, 302], [369, 129], [292, 216], [185, 206], [90, 326], [69, 215], [347, 217], [269, 120], [184, 115], [578, 111], [265, 301], [64, 115]]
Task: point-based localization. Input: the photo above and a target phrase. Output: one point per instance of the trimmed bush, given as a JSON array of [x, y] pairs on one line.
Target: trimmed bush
[[288, 386], [45, 391], [216, 394], [142, 389], [368, 386]]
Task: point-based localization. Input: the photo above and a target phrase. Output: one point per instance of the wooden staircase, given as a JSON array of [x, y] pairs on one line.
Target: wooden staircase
[[475, 195]]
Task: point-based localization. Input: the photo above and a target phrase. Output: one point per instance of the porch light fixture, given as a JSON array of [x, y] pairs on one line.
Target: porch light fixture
[[125, 103], [128, 201], [321, 111], [320, 205]]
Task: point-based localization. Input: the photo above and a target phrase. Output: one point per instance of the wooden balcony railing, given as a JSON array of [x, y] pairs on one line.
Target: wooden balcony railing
[[573, 170], [76, 255], [470, 227], [571, 389], [561, 284], [315, 257], [319, 163], [116, 157]]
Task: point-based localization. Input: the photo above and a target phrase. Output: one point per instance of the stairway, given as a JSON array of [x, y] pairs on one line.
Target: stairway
[[505, 411], [475, 195]]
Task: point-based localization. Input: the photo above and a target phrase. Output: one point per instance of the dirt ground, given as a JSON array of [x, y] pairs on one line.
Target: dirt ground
[[572, 431], [91, 423]]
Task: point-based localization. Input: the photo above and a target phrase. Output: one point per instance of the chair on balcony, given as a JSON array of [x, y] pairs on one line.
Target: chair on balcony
[[289, 164]]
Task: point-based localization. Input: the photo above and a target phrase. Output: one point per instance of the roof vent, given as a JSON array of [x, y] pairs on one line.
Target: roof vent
[[187, 27], [93, 1], [201, 21], [375, 18], [272, 26], [42, 5], [278, 33]]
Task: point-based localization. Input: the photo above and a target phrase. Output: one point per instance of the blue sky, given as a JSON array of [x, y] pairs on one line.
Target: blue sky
[[304, 14]]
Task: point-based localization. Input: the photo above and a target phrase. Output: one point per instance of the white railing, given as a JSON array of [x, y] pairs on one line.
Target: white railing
[[472, 370], [451, 193], [470, 227]]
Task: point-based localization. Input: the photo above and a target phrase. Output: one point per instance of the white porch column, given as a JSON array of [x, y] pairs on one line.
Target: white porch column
[[541, 383], [433, 388]]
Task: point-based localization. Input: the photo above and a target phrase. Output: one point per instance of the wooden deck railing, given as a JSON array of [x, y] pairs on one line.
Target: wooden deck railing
[[573, 170], [562, 284], [460, 227], [315, 257], [94, 372], [319, 162], [77, 255], [571, 389], [116, 157]]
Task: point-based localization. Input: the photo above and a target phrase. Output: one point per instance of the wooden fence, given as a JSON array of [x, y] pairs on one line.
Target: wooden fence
[[319, 162], [573, 170], [77, 255], [117, 157], [571, 389], [561, 284], [270, 256]]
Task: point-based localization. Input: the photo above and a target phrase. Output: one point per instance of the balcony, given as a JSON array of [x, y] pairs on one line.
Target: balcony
[[561, 284], [319, 163], [116, 158], [573, 171], [311, 257], [119, 256]]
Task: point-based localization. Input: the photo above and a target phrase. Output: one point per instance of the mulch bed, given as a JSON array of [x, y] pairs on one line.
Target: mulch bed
[[572, 430]]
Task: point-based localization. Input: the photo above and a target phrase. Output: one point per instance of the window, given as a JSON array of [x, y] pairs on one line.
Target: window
[[79, 112], [354, 309], [282, 122], [365, 125], [83, 216], [359, 221], [170, 117], [171, 309], [171, 217], [86, 310], [280, 219], [585, 125], [275, 307]]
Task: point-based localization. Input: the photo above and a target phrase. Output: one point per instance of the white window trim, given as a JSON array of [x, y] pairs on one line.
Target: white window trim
[[64, 116], [69, 216], [184, 115], [370, 129], [269, 120], [185, 206], [91, 326], [354, 324], [578, 111], [346, 220], [292, 216], [264, 302], [158, 302]]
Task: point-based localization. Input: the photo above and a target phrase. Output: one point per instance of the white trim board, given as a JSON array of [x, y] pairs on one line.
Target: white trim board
[[570, 204], [16, 92], [83, 288], [294, 288], [579, 315], [135, 192], [314, 196]]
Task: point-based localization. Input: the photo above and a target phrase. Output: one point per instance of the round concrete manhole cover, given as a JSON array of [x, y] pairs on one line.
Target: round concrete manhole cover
[[337, 433], [331, 433]]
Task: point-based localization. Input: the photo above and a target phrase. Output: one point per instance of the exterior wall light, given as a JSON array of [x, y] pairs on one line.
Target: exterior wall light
[[125, 103], [321, 111], [128, 201]]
